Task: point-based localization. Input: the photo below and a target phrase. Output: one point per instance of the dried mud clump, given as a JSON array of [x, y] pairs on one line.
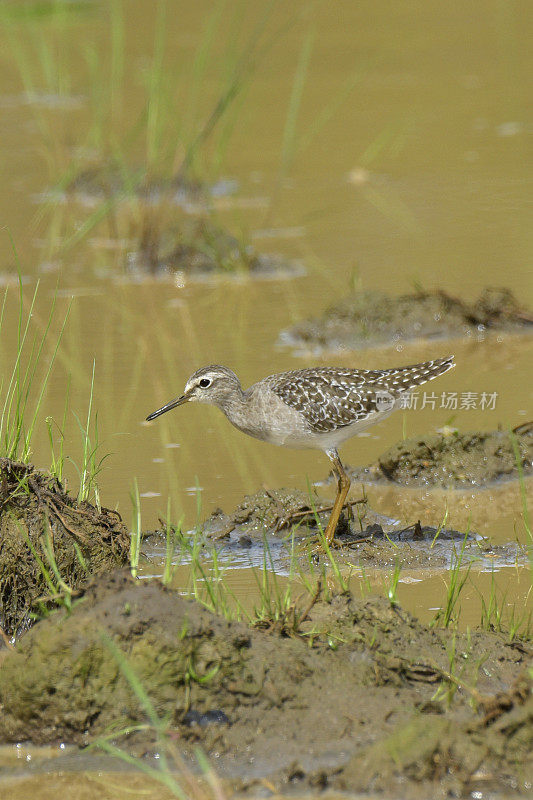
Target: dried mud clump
[[359, 694], [42, 529], [365, 319], [455, 460]]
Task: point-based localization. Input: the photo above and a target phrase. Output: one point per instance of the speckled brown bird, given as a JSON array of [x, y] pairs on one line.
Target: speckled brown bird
[[319, 407]]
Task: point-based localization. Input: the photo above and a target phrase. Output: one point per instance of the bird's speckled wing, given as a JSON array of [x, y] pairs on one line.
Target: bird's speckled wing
[[330, 398], [327, 402]]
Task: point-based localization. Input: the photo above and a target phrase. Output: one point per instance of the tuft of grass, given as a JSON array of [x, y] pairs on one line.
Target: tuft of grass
[[452, 678], [440, 526], [91, 462], [60, 593], [173, 539], [340, 580], [496, 616], [22, 389], [206, 575], [57, 464], [18, 410], [391, 583], [208, 584], [136, 530], [365, 586], [277, 609], [450, 612], [523, 496]]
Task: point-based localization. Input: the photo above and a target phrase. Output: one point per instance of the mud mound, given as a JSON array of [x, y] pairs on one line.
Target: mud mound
[[269, 512], [305, 710], [106, 181], [454, 460], [366, 319], [169, 240], [41, 524], [272, 517], [433, 748], [200, 249], [193, 664], [273, 514]]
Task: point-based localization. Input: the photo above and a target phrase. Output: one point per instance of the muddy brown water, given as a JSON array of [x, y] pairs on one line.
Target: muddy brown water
[[417, 179]]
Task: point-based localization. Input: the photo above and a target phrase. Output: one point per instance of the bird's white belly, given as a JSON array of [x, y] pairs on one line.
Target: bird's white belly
[[322, 441]]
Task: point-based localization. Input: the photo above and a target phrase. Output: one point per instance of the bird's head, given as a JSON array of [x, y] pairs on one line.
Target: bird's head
[[213, 385]]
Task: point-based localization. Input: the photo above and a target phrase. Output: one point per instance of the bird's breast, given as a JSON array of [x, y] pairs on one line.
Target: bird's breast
[[265, 416]]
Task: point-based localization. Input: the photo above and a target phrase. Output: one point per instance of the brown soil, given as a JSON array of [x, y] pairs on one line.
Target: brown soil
[[360, 697], [367, 319], [40, 522], [269, 512], [454, 460]]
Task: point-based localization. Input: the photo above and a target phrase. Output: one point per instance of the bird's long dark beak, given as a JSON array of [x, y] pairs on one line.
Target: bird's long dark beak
[[173, 403]]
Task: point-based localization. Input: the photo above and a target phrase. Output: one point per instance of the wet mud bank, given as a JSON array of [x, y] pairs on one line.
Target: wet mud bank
[[454, 460], [358, 697], [367, 319], [45, 533], [286, 521]]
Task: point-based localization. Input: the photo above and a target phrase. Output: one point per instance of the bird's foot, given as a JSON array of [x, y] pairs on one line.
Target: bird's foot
[[308, 515], [320, 544]]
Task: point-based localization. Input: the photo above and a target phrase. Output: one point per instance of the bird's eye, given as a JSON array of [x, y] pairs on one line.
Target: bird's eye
[[205, 382]]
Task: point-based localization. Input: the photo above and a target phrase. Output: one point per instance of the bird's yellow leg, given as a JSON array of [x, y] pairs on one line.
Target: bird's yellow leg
[[343, 487]]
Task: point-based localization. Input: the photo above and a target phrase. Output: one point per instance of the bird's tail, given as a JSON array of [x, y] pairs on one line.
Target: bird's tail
[[404, 378]]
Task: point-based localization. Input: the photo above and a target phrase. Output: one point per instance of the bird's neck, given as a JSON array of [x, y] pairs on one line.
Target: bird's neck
[[232, 402], [235, 406]]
